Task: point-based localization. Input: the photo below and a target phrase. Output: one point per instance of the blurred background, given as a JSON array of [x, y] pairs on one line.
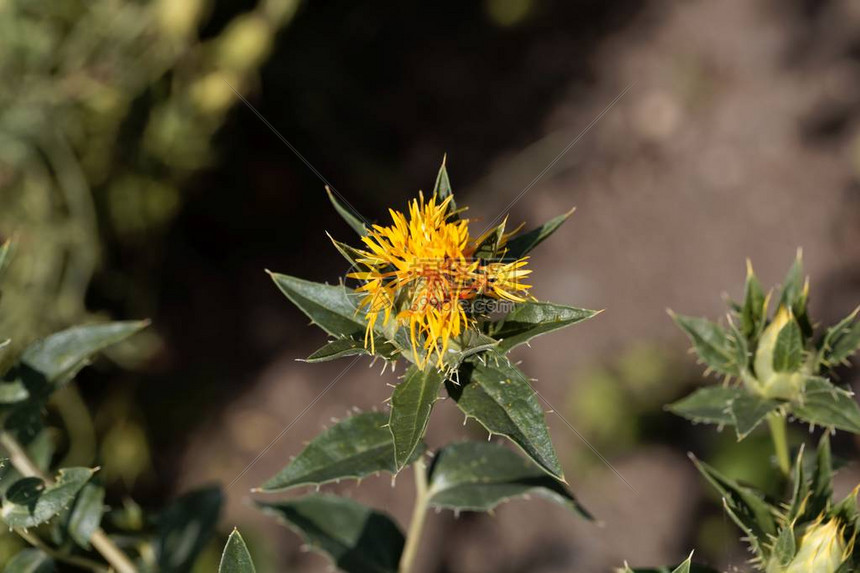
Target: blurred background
[[139, 183]]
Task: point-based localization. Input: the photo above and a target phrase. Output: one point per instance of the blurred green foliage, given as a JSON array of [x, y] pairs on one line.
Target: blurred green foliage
[[105, 108]]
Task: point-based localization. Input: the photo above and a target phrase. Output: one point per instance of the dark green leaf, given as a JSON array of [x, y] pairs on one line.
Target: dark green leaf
[[687, 566], [748, 411], [523, 244], [332, 308], [821, 484], [491, 242], [530, 319], [841, 341], [30, 502], [498, 395], [351, 254], [477, 476], [352, 218], [442, 187], [236, 558], [792, 295], [30, 561], [86, 516], [356, 538], [788, 350], [712, 344], [354, 448], [185, 528], [60, 356], [829, 406], [753, 311], [469, 343], [800, 488], [745, 506], [710, 405], [338, 348], [411, 404]]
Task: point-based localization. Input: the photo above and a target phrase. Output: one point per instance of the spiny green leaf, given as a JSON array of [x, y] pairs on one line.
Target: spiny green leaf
[[30, 501], [490, 245], [710, 405], [785, 546], [530, 319], [332, 307], [356, 447], [185, 528], [788, 350], [469, 343], [442, 187], [498, 395], [411, 404], [521, 245], [753, 311], [236, 558], [792, 287], [30, 561], [687, 566], [353, 219], [712, 344], [338, 348], [821, 484], [344, 347], [351, 254], [356, 538], [744, 505], [800, 488], [477, 476], [829, 406], [840, 341], [748, 411], [60, 356], [86, 516]]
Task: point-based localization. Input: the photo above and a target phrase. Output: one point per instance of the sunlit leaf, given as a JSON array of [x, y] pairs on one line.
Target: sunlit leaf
[[829, 406], [530, 319], [710, 405], [411, 404], [477, 476], [712, 344], [356, 447], [523, 244], [236, 558], [749, 410], [30, 501], [353, 219], [499, 397]]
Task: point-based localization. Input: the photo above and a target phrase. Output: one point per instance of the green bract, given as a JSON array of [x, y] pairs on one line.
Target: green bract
[[771, 366]]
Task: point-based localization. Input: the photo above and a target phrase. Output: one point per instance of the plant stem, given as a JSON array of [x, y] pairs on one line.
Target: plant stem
[[780, 441], [419, 513], [118, 560], [80, 562]]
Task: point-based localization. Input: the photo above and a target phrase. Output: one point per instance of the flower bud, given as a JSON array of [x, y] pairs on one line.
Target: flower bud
[[822, 549]]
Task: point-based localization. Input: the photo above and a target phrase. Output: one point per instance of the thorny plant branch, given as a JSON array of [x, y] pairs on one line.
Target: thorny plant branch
[[118, 560]]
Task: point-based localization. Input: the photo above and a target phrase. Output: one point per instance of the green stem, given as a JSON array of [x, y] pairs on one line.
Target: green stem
[[419, 513], [118, 560], [780, 441]]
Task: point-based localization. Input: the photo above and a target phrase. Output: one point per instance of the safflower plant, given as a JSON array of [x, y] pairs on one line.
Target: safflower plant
[[776, 369], [451, 306]]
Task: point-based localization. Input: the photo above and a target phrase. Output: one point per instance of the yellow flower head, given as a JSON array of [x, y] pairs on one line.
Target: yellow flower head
[[421, 271]]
